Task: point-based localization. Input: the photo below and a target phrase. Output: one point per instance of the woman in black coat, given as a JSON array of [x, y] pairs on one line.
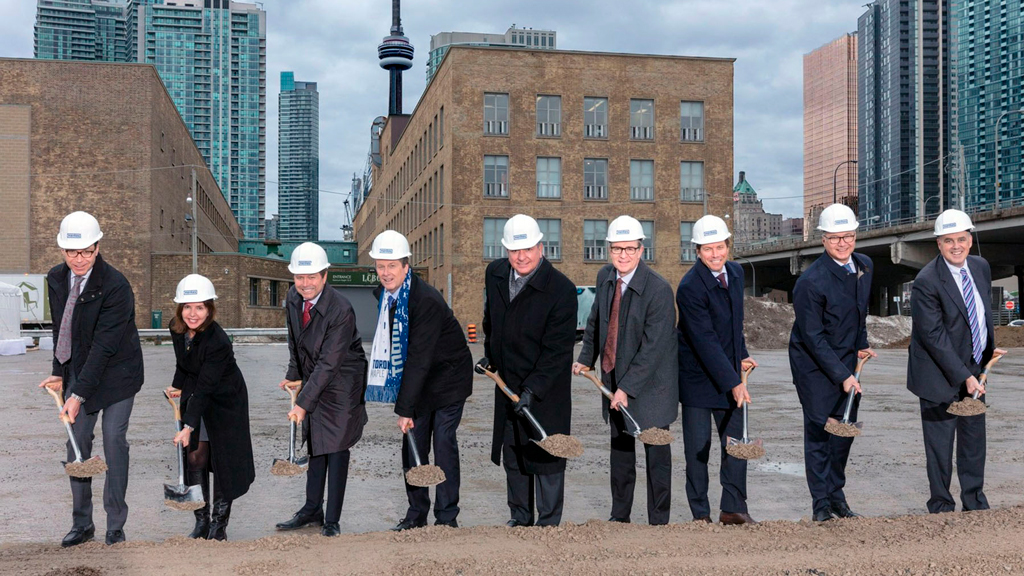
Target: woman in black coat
[[214, 406]]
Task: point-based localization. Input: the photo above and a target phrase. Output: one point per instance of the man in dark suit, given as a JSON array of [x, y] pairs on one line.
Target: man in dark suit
[[437, 377], [631, 328], [326, 356], [712, 353], [951, 340], [529, 333], [97, 360], [829, 334]]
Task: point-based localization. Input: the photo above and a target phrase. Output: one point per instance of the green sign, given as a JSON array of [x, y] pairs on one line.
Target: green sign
[[352, 278]]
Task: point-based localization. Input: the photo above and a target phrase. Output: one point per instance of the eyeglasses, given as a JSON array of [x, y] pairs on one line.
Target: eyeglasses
[[629, 250], [83, 253], [847, 238]]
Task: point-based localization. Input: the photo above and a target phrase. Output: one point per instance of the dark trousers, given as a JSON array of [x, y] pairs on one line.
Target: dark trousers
[[623, 473], [940, 430], [441, 424], [547, 490], [825, 457], [697, 448], [330, 470], [115, 453]]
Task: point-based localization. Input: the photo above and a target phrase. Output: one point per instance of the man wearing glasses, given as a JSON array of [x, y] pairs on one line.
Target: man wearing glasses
[[97, 361], [830, 300], [632, 328]]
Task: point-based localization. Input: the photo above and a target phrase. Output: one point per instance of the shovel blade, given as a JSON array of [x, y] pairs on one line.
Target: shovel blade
[[182, 497], [285, 467], [844, 429], [78, 469], [752, 449]]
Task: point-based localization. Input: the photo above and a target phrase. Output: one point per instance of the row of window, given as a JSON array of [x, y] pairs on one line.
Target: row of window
[[595, 179], [595, 117], [595, 248], [419, 157], [277, 290]]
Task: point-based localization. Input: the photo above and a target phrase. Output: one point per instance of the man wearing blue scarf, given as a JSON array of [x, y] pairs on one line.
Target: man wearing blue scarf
[[421, 362]]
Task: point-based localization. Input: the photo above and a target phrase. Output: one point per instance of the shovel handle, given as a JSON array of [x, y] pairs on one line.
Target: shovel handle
[[58, 398], [292, 388], [501, 385], [174, 405], [608, 394], [413, 449], [860, 366], [984, 373]]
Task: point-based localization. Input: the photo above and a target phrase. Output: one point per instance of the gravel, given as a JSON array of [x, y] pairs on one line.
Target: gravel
[[745, 451], [967, 407], [562, 446], [837, 428], [91, 467], [286, 468], [184, 506], [425, 475], [656, 437]]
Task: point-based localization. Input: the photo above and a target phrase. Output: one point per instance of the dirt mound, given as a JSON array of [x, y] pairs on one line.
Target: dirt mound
[[767, 326], [1006, 337]]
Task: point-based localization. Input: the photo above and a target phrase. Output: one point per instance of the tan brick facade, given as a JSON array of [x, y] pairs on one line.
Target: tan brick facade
[[443, 141]]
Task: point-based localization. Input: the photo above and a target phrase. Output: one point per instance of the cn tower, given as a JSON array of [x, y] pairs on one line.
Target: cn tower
[[395, 54]]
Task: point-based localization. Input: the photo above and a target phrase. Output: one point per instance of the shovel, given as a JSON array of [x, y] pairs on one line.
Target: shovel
[[422, 475], [558, 445], [293, 466], [972, 406], [77, 469], [179, 496], [651, 436], [744, 448], [845, 428]]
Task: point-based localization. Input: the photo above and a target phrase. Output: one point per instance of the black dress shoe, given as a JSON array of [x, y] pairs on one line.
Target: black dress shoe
[[451, 523], [330, 529], [114, 536], [620, 520], [78, 535], [842, 510], [408, 524], [515, 523], [823, 515], [302, 520]]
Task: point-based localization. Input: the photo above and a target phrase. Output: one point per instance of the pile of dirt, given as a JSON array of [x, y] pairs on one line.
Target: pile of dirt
[[656, 437], [767, 325], [1006, 337], [425, 475], [883, 331], [562, 446], [87, 469]]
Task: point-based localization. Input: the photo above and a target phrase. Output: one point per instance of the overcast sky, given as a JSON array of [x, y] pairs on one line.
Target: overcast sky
[[334, 43]]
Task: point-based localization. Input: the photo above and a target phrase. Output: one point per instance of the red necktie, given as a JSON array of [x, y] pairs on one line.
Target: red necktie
[[723, 281], [306, 306], [612, 340]]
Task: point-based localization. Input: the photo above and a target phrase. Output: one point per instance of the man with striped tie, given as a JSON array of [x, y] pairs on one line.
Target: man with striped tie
[[951, 340]]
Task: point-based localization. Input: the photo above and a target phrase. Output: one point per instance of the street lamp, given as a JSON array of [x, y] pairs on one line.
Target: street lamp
[[998, 120], [835, 174], [924, 207], [753, 275], [195, 223]]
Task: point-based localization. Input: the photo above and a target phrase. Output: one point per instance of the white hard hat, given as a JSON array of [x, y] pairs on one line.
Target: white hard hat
[[837, 218], [521, 232], [624, 229], [390, 245], [308, 258], [708, 230], [78, 230], [952, 221], [194, 288]]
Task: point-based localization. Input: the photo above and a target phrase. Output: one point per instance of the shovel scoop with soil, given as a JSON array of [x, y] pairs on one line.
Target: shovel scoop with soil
[[844, 427], [78, 469], [180, 496], [422, 475], [651, 436], [293, 465], [745, 448], [973, 406], [558, 445]]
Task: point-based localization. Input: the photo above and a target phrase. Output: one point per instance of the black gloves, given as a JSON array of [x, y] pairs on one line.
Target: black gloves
[[482, 364], [525, 399]]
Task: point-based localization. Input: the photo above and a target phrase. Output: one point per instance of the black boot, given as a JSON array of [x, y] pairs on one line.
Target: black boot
[[219, 514], [202, 529]]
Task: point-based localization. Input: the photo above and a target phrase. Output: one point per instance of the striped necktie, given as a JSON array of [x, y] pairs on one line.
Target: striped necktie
[[972, 313], [849, 267]]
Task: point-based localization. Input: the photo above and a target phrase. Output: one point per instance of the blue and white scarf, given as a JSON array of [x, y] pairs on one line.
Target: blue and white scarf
[[387, 357]]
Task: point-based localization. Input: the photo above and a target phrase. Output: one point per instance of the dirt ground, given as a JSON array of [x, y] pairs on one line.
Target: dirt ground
[[886, 483], [767, 325]]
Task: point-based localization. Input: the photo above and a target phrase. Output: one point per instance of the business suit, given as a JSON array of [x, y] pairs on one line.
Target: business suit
[[711, 350], [941, 359], [327, 355], [529, 341], [645, 365], [830, 328], [106, 370], [436, 380]]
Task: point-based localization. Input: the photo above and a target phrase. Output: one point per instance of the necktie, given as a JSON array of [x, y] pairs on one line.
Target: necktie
[[306, 307], [514, 286], [391, 301], [972, 314], [63, 351], [722, 280], [611, 341], [849, 267]]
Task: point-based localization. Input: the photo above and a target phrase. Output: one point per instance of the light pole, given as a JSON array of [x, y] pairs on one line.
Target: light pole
[[753, 275], [835, 174], [924, 215], [998, 120], [195, 224]]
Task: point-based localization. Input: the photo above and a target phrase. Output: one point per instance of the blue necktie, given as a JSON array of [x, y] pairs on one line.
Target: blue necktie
[[972, 313], [849, 267], [391, 301]]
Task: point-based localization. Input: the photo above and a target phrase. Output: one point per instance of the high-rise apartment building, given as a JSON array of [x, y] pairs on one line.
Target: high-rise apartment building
[[903, 110], [298, 159], [830, 125], [81, 30], [517, 37]]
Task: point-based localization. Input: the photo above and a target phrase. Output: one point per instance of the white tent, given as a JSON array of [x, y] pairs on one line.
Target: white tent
[[10, 320]]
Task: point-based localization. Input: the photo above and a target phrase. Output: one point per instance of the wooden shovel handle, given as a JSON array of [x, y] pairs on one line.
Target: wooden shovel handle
[[501, 384], [292, 388], [590, 376], [177, 411], [744, 374], [58, 397], [860, 363], [984, 373]]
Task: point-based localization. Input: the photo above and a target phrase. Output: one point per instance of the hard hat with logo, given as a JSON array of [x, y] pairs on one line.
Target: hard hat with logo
[[952, 221], [521, 232], [624, 229], [837, 218], [194, 288], [709, 229], [78, 230], [308, 258], [390, 245]]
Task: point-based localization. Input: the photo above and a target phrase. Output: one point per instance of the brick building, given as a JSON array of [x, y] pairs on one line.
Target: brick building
[[573, 139]]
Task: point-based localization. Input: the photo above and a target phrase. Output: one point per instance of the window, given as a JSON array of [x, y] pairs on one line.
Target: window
[[273, 294], [595, 178], [691, 181], [641, 180], [549, 177], [551, 228], [687, 253], [496, 114], [440, 245], [691, 121], [595, 117], [648, 227], [496, 176], [440, 128], [549, 115], [254, 291], [641, 119], [493, 229], [594, 234]]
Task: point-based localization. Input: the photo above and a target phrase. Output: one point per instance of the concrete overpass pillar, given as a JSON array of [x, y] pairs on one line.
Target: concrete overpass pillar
[[914, 255]]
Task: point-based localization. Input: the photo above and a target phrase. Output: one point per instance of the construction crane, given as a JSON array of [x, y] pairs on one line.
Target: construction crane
[[347, 233]]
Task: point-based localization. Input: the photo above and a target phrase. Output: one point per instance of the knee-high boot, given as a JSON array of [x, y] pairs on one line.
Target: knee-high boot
[[219, 515], [202, 478]]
